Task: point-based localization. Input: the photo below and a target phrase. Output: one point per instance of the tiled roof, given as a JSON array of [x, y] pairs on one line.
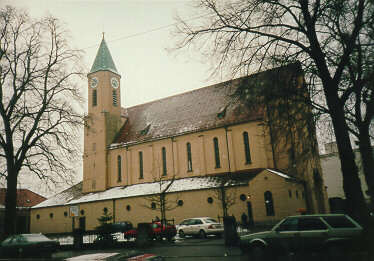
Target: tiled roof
[[206, 108], [25, 198], [74, 194], [193, 111], [103, 60]]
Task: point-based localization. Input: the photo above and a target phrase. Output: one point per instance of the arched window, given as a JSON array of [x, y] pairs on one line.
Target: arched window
[[216, 152], [141, 165], [246, 148], [115, 98], [189, 157], [94, 98], [164, 167], [269, 203], [119, 168]]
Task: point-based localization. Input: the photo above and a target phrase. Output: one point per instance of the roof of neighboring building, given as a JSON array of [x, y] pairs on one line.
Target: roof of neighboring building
[[25, 198], [202, 109], [74, 194], [103, 60]]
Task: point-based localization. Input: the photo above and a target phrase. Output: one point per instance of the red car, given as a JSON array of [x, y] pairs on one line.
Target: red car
[[156, 231]]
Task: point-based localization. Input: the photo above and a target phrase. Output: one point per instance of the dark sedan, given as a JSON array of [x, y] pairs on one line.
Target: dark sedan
[[28, 245]]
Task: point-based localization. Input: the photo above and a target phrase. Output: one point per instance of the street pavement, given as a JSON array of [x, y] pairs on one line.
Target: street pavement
[[189, 248], [180, 249]]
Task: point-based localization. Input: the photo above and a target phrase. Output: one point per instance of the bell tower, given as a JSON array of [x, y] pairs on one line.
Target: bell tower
[[103, 120]]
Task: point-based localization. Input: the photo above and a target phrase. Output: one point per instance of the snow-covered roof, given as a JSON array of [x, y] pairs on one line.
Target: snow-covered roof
[[74, 194]]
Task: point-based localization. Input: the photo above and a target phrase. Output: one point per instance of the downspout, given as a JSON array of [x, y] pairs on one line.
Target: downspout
[[271, 137], [114, 210], [172, 153], [227, 148]]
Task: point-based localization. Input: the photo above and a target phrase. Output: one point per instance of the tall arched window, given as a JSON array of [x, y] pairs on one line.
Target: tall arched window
[[246, 148], [164, 167], [141, 165], [94, 98], [189, 157], [119, 168], [115, 98], [269, 203], [216, 152]]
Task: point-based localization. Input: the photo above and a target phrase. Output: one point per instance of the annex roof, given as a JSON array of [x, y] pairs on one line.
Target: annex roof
[[74, 194], [103, 60]]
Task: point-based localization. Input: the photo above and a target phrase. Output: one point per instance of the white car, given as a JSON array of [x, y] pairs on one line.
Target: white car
[[201, 226]]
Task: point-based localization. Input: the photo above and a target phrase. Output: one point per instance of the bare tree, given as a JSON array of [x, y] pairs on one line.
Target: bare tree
[[226, 197], [326, 37], [40, 113], [159, 200]]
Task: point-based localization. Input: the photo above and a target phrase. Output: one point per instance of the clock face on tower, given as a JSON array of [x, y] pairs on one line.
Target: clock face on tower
[[94, 82], [114, 82]]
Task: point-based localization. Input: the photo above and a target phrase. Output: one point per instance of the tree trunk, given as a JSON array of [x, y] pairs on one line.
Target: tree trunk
[[10, 204], [367, 162], [351, 182]]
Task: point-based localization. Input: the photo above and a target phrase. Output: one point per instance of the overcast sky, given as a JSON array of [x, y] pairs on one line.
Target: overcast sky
[[137, 45], [148, 71]]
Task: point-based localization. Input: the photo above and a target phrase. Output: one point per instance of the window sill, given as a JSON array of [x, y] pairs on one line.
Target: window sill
[[141, 177], [118, 181], [190, 170], [247, 163], [217, 167]]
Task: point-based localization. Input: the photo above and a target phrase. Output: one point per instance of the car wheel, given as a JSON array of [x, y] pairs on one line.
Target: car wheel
[[181, 233], [335, 252], [258, 252], [202, 234]]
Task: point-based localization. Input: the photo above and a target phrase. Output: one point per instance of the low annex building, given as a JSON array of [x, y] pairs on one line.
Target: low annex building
[[189, 146]]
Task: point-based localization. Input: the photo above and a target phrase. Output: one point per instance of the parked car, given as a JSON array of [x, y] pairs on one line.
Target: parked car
[[201, 226], [123, 226], [156, 231], [28, 245], [330, 234]]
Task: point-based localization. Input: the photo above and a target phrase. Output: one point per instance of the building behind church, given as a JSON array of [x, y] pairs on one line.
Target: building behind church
[[195, 144]]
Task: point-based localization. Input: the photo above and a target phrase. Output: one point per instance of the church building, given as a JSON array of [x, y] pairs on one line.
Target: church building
[[192, 148]]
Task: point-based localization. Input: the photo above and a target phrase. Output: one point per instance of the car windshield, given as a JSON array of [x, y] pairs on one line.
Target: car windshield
[[185, 222], [210, 220], [35, 237]]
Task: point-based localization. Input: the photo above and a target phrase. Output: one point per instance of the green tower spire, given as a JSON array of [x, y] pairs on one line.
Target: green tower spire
[[103, 60]]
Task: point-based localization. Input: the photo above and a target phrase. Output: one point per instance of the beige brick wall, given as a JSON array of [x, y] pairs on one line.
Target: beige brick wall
[[195, 204]]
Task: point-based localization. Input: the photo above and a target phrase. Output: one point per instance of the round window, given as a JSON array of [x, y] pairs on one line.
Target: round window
[[65, 213], [105, 210], [128, 207], [82, 212], [38, 216], [51, 215], [153, 205], [210, 200], [243, 197], [180, 202]]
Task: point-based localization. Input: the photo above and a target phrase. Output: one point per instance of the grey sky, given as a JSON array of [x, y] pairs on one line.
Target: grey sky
[[148, 71]]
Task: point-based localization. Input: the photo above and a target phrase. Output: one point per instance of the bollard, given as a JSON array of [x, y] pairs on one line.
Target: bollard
[[143, 235], [231, 235]]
